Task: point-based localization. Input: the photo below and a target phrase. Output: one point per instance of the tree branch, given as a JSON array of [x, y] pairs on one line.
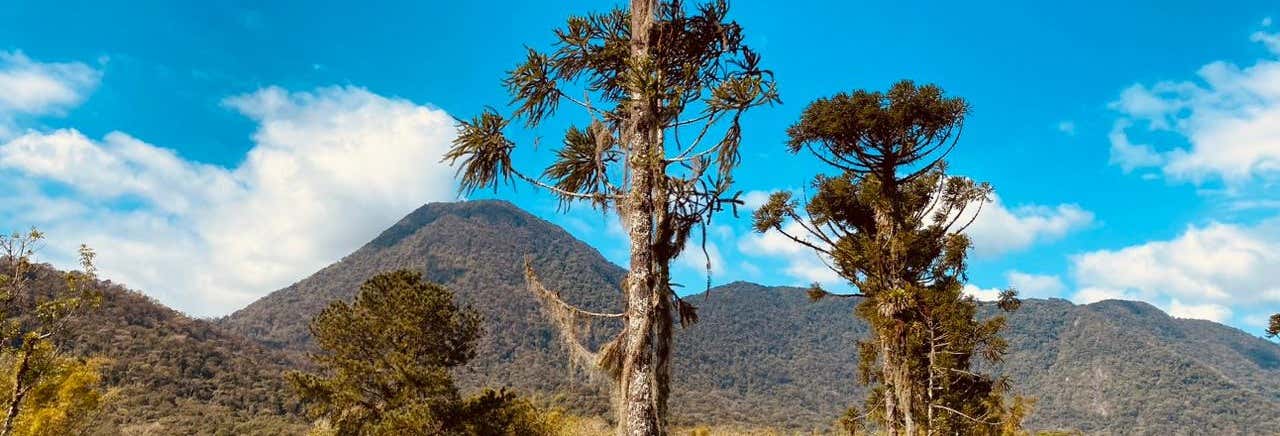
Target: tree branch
[[957, 412]]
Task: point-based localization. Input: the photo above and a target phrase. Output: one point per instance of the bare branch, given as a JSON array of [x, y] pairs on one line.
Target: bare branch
[[957, 412], [566, 318], [536, 287]]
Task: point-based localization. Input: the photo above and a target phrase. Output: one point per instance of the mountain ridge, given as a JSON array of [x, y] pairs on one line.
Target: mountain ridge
[[1093, 367]]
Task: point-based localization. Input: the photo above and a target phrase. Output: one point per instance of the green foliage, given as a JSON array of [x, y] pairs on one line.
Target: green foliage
[[385, 360], [891, 224], [692, 62]]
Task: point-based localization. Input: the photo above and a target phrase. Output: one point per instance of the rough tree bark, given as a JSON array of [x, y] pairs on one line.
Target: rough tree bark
[[638, 409], [20, 390]]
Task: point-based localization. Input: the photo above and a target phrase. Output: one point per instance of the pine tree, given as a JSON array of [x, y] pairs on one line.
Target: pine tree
[[665, 90], [890, 222], [31, 356], [385, 360]]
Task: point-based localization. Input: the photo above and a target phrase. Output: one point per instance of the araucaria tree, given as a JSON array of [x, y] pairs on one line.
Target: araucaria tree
[[663, 90], [890, 222]]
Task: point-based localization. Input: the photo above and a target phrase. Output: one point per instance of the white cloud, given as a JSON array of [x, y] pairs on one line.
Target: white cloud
[[1206, 272], [28, 87], [1209, 311], [800, 263], [752, 200], [328, 170], [1035, 285], [1093, 294], [1127, 155], [1068, 127], [1000, 230], [693, 257], [1229, 118], [982, 294]]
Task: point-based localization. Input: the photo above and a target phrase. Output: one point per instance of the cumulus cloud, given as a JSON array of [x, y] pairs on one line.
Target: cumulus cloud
[[982, 294], [328, 170], [1229, 118], [799, 263], [1126, 154], [1208, 311], [999, 229], [28, 87], [1035, 285], [1207, 272], [1093, 294], [753, 200]]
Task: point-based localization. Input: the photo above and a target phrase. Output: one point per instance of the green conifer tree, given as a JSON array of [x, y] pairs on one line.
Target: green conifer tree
[[385, 360], [890, 222], [664, 89]]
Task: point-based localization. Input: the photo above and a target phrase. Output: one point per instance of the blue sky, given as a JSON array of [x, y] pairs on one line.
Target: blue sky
[[214, 154]]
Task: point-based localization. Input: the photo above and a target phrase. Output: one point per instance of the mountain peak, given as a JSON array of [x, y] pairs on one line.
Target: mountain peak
[[495, 212]]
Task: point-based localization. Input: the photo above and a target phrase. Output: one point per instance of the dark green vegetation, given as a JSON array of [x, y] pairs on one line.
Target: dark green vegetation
[[769, 357], [385, 365], [761, 356], [175, 375], [891, 223]]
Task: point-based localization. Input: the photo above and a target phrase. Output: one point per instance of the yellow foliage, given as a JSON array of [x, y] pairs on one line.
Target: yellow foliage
[[65, 402]]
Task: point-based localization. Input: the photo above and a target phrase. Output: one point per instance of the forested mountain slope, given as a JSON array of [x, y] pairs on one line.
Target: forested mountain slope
[[172, 374], [767, 356]]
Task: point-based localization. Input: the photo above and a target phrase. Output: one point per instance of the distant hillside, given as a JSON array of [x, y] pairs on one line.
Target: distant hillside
[[478, 249], [767, 356], [176, 375]]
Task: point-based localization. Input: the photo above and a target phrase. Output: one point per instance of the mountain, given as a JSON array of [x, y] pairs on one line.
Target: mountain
[[767, 356], [478, 249], [171, 374]]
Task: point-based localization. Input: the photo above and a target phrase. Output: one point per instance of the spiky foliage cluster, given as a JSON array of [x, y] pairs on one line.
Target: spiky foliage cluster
[[691, 87], [664, 91], [32, 356], [891, 223], [385, 360]]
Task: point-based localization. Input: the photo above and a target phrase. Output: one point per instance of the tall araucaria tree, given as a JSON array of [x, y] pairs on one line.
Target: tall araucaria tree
[[663, 90], [890, 222]]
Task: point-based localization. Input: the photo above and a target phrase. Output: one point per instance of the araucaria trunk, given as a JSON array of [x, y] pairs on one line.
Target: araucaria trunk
[[637, 408]]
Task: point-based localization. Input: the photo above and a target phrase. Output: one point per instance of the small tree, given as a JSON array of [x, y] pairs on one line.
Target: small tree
[[890, 223], [31, 329], [664, 90], [385, 360]]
